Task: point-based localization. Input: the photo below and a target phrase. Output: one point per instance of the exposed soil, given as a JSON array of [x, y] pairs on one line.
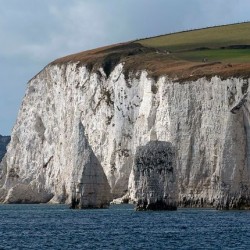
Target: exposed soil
[[106, 57], [157, 62]]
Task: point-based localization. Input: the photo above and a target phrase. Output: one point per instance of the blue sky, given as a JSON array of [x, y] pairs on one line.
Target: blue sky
[[35, 32]]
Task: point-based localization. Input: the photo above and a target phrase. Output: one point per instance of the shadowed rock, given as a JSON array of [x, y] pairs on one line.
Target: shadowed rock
[[154, 177], [90, 188]]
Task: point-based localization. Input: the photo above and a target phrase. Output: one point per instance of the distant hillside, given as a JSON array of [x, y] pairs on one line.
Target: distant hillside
[[4, 140]]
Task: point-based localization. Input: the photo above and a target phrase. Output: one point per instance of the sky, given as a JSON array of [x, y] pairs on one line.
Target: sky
[[33, 33]]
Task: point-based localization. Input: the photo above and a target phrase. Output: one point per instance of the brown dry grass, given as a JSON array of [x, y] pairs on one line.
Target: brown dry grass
[[158, 63], [84, 56]]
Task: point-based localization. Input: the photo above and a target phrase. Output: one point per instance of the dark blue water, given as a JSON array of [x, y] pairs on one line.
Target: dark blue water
[[120, 227]]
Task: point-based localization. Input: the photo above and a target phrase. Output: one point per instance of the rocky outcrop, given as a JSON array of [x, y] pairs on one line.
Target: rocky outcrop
[[153, 177], [90, 186], [206, 122], [4, 141]]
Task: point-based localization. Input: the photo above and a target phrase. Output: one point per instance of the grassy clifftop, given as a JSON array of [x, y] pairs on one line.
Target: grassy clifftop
[[229, 43], [222, 50]]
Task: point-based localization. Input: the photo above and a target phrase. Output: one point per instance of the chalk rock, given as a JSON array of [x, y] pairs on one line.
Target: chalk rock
[[154, 177], [206, 121], [90, 187], [27, 193]]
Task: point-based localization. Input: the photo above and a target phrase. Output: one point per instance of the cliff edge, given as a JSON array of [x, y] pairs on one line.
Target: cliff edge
[[87, 122]]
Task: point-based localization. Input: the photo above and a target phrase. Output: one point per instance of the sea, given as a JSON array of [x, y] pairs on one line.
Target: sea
[[121, 227]]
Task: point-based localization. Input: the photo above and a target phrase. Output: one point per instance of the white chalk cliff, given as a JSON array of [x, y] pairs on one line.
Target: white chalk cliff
[[77, 127]]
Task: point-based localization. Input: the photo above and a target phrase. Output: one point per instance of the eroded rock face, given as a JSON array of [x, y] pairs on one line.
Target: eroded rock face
[[154, 177], [90, 185], [207, 121]]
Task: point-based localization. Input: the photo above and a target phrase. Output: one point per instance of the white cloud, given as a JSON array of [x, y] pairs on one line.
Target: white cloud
[[34, 32], [57, 28]]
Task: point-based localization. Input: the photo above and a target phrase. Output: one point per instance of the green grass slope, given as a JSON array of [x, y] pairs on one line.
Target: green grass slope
[[229, 43], [222, 51]]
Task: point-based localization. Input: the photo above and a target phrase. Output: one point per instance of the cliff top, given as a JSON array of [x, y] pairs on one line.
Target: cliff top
[[188, 55]]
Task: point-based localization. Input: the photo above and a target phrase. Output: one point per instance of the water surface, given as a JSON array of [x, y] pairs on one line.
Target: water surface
[[120, 227]]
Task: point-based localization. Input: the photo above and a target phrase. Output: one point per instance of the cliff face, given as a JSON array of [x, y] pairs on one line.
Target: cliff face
[[4, 140], [77, 128]]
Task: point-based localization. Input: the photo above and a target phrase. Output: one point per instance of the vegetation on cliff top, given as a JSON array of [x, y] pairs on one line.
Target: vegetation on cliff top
[[188, 55], [229, 43]]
